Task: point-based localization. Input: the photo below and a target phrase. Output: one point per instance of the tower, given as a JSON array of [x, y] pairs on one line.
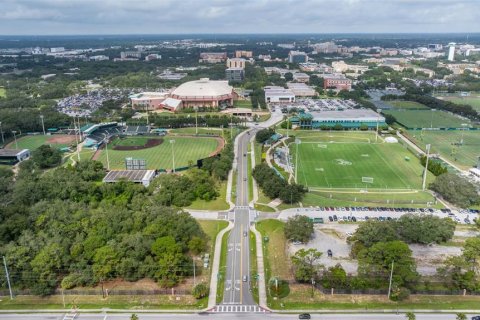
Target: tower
[[451, 51]]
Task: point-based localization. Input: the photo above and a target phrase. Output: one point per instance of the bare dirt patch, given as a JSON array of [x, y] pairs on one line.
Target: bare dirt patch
[[61, 139]]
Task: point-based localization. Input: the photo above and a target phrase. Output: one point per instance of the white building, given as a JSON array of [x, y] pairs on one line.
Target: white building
[[301, 89], [274, 94], [451, 51]]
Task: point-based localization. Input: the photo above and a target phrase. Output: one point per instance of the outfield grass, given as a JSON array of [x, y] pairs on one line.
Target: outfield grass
[[187, 150], [138, 141], [342, 165], [473, 100], [465, 156], [211, 131], [400, 104], [426, 119], [33, 142]]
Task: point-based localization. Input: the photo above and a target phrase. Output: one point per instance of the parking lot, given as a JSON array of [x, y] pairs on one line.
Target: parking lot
[[354, 214]]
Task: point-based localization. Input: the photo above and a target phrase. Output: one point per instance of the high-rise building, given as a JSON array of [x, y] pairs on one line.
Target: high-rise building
[[236, 63], [297, 57], [235, 74], [451, 51]]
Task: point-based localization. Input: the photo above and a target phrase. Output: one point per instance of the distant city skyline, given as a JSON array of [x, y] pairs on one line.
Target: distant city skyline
[[57, 17]]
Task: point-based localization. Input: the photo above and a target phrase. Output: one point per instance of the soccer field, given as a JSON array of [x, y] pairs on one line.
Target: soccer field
[[186, 150], [345, 164], [400, 104], [427, 119], [33, 142], [443, 143], [472, 100]]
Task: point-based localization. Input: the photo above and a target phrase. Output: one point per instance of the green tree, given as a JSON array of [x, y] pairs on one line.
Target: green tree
[[134, 317], [471, 252], [200, 291], [299, 228], [375, 263], [305, 263], [456, 190], [264, 135], [46, 157], [334, 277], [410, 316], [461, 316], [288, 76]]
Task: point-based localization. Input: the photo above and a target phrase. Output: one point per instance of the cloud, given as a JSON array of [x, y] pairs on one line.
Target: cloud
[[233, 16]]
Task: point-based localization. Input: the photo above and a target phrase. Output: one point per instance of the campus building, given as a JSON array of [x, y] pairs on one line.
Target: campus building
[[147, 101], [243, 54], [235, 74], [236, 63], [297, 57], [213, 57], [301, 89], [274, 94], [13, 156], [347, 119], [337, 82], [204, 93]]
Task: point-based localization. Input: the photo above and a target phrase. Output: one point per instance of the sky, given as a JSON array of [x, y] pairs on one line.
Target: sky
[[62, 17]]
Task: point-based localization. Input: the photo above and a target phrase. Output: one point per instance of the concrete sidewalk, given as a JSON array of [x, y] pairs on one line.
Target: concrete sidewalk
[[212, 297], [262, 290]]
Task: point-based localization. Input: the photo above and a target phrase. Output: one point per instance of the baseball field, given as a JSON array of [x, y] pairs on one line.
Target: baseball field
[[35, 141], [158, 151]]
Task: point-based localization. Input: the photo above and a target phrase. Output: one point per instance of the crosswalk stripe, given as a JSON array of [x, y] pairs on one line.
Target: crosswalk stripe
[[238, 309]]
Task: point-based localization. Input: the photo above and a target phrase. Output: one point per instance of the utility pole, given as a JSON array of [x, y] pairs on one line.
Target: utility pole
[[297, 142], [106, 151], [76, 138], [8, 278], [173, 155], [1, 132], [390, 282], [426, 168], [15, 137], [196, 120], [194, 275], [43, 124], [378, 119]]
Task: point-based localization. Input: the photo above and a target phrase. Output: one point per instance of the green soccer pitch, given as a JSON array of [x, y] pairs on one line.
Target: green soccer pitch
[[426, 118], [186, 150], [339, 163]]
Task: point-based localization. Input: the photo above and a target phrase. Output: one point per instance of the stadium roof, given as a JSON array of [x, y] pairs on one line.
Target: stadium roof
[[202, 88], [138, 176], [11, 152], [148, 95], [350, 114]]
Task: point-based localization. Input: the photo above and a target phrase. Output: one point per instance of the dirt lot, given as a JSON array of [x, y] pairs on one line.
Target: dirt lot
[[333, 236], [61, 139]]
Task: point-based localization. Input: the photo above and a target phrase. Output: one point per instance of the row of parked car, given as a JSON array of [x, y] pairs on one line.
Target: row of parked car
[[376, 209]]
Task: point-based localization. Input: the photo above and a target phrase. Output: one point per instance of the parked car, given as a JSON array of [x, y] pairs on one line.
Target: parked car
[[330, 218], [304, 316]]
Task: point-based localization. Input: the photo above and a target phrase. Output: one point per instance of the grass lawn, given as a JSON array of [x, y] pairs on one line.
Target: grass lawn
[[465, 156], [249, 174], [300, 298], [327, 136], [187, 150], [3, 92], [128, 302], [263, 208], [33, 142], [217, 204], [253, 266], [277, 263], [242, 104], [222, 268], [342, 165], [400, 104], [426, 119], [209, 131], [130, 141], [211, 229], [396, 200], [472, 100]]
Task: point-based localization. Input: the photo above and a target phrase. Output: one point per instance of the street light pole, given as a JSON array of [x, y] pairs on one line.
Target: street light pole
[[173, 155], [390, 282], [431, 119], [15, 137], [196, 120], [1, 132], [106, 151], [378, 119], [426, 168], [297, 142], [43, 124]]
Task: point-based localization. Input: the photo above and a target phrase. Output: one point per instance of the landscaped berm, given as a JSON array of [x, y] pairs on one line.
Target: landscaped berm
[[158, 151], [354, 161]]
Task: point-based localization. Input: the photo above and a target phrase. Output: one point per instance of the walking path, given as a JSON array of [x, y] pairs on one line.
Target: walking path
[[212, 297]]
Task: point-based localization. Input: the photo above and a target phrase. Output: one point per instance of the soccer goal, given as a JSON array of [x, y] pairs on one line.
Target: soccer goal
[[367, 179], [323, 146]]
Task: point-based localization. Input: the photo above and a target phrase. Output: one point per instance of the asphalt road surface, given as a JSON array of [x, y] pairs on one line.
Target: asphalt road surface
[[253, 316], [237, 281]]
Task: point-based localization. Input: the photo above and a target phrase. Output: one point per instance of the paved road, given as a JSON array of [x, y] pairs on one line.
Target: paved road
[[237, 288], [253, 316]]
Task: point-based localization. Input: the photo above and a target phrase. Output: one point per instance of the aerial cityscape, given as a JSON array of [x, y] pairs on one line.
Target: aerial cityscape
[[221, 159]]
